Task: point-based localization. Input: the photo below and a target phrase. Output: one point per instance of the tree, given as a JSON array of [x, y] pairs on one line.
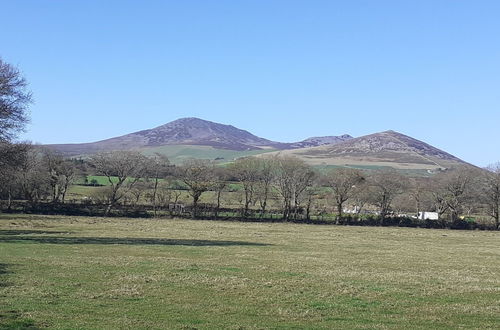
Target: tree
[[343, 182], [157, 167], [453, 190], [198, 175], [61, 173], [33, 177], [123, 170], [221, 177], [419, 194], [492, 192], [266, 175], [384, 186], [246, 171], [293, 177], [12, 156], [14, 101]]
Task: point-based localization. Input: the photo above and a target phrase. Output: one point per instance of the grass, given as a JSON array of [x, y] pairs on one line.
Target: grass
[[408, 172], [95, 273], [179, 153]]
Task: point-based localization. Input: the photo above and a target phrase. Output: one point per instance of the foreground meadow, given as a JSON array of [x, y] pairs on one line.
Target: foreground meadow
[[99, 273]]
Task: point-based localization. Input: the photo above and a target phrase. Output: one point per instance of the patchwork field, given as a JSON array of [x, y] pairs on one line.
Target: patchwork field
[[94, 273]]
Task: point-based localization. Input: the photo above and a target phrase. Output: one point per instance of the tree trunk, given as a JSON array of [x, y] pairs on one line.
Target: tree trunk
[[263, 203], [111, 203], [219, 193], [339, 213], [65, 189], [248, 200], [9, 201], [196, 197], [154, 196]]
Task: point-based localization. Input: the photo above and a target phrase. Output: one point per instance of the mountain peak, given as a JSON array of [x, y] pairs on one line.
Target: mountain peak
[[388, 148], [391, 142], [320, 141], [194, 131], [188, 121]]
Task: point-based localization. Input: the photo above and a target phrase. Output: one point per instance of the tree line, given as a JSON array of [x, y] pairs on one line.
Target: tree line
[[261, 185]]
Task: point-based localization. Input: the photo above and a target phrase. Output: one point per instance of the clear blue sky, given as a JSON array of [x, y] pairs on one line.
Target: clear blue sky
[[284, 70]]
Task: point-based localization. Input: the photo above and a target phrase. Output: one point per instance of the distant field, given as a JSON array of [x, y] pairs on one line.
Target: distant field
[[179, 153], [411, 164], [97, 273], [409, 172]]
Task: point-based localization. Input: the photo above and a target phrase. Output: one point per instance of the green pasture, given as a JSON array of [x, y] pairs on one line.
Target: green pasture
[[179, 153], [98, 273]]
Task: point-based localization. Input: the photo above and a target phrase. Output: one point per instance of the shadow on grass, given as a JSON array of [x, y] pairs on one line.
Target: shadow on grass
[[125, 241], [28, 232], [10, 319], [13, 320], [4, 270]]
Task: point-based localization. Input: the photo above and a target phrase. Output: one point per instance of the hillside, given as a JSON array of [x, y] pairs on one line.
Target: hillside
[[382, 149], [184, 131], [197, 138], [319, 141], [191, 132]]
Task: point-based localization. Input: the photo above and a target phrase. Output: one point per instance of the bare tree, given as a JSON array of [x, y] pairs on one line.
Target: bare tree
[[439, 200], [311, 195], [266, 175], [343, 182], [246, 171], [123, 170], [220, 184], [61, 173], [385, 185], [418, 193], [162, 197], [14, 101], [67, 176], [453, 190], [33, 177], [12, 157], [293, 177], [198, 175], [158, 167], [492, 192]]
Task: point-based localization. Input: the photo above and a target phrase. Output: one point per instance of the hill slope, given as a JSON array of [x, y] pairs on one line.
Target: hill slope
[[388, 148], [319, 141], [191, 132], [197, 138]]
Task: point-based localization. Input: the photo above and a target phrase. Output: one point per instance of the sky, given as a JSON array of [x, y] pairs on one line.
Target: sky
[[283, 70]]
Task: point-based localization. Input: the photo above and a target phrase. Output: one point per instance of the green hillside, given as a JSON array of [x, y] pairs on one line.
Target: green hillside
[[178, 153]]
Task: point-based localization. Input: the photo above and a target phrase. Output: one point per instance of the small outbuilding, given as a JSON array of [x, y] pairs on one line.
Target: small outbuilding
[[428, 215]]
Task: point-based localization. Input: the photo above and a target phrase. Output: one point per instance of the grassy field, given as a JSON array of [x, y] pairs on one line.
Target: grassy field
[[179, 153], [98, 273]]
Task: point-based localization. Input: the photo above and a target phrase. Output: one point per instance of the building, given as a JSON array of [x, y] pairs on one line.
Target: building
[[428, 215]]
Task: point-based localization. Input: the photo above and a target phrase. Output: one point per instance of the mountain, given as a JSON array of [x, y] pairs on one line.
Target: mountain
[[382, 149], [319, 141], [191, 132], [197, 138], [184, 131]]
